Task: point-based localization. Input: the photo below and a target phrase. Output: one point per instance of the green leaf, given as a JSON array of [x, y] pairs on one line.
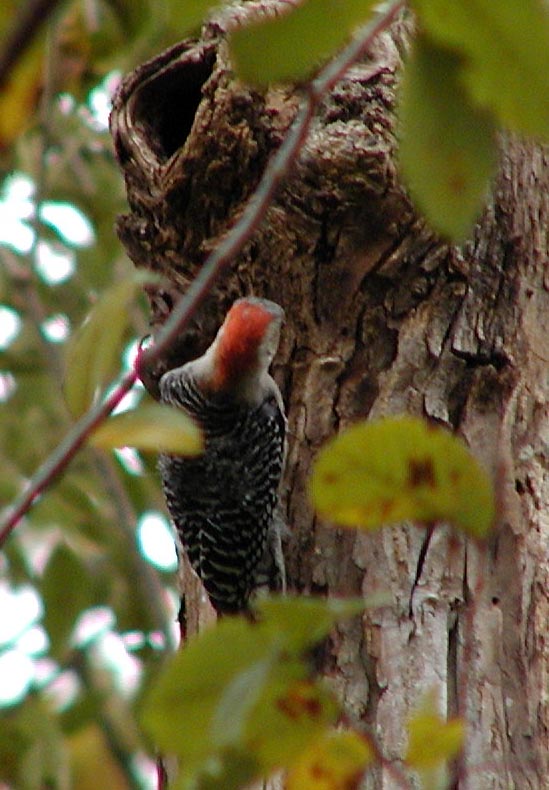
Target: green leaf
[[44, 761], [13, 742], [240, 694], [303, 622], [289, 46], [66, 591], [181, 707], [154, 426], [505, 48], [398, 469], [94, 352], [233, 770], [237, 700], [447, 148], [185, 17]]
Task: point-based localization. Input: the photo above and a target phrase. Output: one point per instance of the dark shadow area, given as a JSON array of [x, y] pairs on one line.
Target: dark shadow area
[[165, 107]]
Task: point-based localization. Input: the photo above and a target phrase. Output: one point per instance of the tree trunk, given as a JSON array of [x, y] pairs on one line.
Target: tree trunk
[[382, 318]]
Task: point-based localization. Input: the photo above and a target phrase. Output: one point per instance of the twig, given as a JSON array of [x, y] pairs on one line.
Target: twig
[[215, 264]]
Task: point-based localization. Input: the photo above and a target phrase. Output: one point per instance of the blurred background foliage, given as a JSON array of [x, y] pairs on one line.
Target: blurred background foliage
[[87, 596]]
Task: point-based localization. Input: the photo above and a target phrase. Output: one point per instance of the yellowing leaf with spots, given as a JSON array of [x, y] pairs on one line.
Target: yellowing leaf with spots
[[247, 692], [399, 469], [290, 714], [336, 761]]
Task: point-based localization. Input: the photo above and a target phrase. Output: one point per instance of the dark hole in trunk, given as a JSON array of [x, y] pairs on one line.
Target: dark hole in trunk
[[165, 107]]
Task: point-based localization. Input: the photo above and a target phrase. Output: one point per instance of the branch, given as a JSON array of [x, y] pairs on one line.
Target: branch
[[215, 265]]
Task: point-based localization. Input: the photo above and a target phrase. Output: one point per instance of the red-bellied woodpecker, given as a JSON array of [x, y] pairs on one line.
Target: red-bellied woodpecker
[[223, 502]]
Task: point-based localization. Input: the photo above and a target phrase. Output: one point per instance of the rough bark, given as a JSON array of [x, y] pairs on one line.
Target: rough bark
[[382, 318]]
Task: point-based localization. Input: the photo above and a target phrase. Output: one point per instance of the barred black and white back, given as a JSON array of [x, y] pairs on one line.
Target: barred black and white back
[[223, 502]]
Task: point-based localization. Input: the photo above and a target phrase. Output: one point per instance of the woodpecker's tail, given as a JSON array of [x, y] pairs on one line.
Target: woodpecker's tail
[[271, 571]]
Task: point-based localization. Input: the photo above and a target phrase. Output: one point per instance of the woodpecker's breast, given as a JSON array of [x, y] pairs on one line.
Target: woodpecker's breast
[[236, 478]]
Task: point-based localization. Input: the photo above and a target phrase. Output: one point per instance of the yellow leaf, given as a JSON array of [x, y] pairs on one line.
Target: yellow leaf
[[399, 469], [336, 761], [92, 762], [432, 739], [151, 427]]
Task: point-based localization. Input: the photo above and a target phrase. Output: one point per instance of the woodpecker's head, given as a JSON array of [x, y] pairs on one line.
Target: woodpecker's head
[[246, 344]]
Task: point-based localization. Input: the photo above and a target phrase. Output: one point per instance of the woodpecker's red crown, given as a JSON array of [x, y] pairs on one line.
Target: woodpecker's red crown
[[247, 341]]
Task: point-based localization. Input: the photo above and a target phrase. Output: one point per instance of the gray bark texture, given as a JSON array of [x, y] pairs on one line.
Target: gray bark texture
[[382, 318]]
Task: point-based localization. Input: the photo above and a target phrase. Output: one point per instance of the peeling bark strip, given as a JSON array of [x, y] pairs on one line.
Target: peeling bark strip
[[382, 318]]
